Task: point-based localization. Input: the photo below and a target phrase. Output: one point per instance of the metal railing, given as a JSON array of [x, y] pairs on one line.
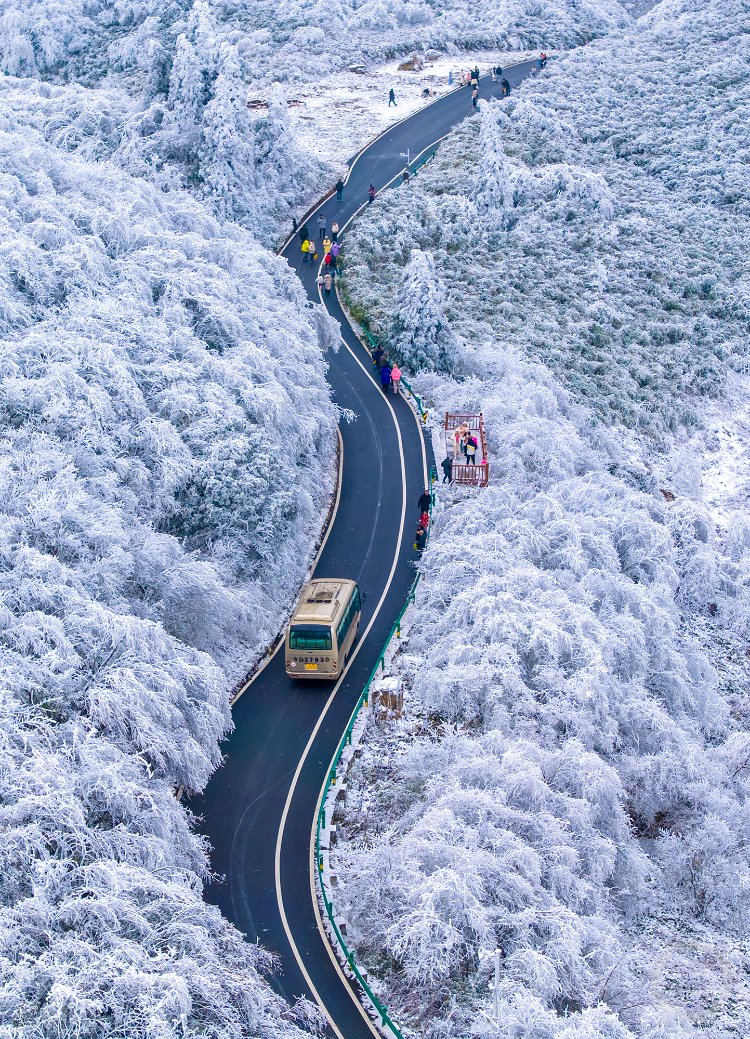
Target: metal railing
[[331, 781]]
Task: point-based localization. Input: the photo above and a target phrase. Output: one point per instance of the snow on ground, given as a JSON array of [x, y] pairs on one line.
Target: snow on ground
[[725, 454], [341, 113]]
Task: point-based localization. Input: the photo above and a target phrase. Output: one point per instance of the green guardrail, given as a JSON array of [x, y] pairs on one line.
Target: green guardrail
[[372, 341], [423, 163], [346, 740]]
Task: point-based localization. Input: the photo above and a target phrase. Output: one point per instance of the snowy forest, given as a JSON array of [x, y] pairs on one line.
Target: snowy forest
[[569, 781]]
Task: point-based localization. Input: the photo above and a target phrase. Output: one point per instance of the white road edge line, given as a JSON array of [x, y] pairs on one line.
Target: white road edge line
[[313, 864], [331, 521], [313, 734]]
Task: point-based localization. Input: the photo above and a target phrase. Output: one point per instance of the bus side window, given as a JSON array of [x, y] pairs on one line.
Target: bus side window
[[346, 620]]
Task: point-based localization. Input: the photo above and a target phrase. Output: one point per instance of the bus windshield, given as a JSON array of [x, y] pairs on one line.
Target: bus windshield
[[310, 636]]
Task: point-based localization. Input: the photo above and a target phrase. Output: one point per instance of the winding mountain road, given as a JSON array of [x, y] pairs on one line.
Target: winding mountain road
[[258, 809]]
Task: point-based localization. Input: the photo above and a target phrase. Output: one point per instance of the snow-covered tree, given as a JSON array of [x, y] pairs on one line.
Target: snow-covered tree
[[420, 332]]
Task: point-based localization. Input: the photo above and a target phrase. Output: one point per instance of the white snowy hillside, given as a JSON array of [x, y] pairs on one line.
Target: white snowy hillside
[[569, 781], [168, 443], [163, 88]]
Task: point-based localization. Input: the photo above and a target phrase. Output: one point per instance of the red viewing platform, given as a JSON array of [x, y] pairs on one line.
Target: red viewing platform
[[477, 475]]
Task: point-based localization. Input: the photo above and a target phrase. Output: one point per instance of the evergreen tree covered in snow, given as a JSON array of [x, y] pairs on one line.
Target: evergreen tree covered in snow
[[420, 332]]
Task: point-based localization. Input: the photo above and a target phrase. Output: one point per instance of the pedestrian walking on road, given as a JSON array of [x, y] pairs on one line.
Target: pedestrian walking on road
[[421, 540], [395, 379], [304, 233], [295, 225], [424, 521], [327, 282], [447, 466], [319, 282], [305, 249], [474, 98], [391, 98], [371, 194], [334, 230], [326, 245], [339, 189], [335, 249], [385, 375], [506, 88], [377, 355], [425, 501], [322, 226]]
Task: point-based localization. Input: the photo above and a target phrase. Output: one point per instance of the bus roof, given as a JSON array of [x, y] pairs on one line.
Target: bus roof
[[321, 600]]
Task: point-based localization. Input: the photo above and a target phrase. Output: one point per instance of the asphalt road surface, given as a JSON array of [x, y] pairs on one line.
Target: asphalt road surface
[[258, 809]]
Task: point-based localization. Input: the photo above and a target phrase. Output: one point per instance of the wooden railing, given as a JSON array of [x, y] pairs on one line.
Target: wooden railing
[[471, 475]]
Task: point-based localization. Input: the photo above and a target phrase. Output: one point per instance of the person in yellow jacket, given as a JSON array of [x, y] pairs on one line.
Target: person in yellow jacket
[[326, 245], [305, 250]]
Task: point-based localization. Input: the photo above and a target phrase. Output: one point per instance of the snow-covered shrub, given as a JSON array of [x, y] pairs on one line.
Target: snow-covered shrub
[[103, 931], [153, 366], [152, 531]]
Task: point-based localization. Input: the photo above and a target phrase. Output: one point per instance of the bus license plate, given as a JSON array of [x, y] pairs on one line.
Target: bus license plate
[[311, 667]]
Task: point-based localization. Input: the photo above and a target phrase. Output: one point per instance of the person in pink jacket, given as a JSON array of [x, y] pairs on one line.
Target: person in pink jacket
[[395, 378]]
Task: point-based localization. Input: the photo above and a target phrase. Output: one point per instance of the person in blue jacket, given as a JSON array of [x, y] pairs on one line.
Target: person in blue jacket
[[385, 376]]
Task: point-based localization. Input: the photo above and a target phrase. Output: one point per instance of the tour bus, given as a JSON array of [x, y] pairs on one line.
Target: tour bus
[[323, 629]]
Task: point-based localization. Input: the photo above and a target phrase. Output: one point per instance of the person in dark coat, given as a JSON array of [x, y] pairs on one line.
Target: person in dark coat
[[391, 98], [377, 355], [506, 88], [425, 501], [304, 233], [385, 376], [339, 189], [420, 540], [447, 467]]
